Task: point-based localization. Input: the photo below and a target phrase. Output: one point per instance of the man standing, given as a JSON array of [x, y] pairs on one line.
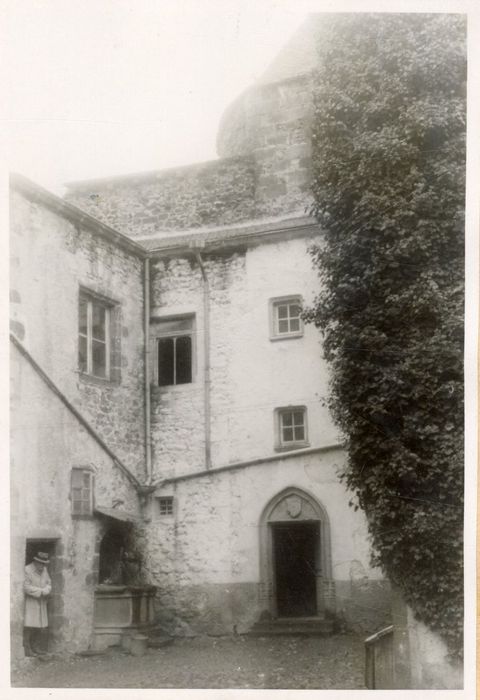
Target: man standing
[[37, 588]]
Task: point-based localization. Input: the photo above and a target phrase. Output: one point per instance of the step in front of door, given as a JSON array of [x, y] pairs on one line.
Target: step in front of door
[[314, 627]]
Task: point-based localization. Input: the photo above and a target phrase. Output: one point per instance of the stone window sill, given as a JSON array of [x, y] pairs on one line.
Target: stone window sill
[[286, 336], [291, 446], [98, 381], [172, 387]]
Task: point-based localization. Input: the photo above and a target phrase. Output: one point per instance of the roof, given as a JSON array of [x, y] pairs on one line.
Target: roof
[[244, 234], [152, 175], [35, 193], [116, 514], [298, 56], [175, 243]]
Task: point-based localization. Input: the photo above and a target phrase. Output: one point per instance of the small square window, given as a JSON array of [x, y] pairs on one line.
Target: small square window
[[291, 428], [165, 505], [285, 317], [81, 494]]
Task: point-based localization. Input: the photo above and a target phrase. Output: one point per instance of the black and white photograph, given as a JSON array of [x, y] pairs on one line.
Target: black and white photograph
[[237, 266]]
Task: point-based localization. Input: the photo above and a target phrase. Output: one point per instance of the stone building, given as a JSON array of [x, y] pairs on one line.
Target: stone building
[[158, 354], [72, 433]]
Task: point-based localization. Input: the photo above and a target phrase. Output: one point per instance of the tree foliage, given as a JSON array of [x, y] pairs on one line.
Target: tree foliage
[[389, 162]]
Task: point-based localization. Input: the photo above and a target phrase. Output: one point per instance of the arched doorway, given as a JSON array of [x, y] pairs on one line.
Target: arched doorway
[[295, 561]]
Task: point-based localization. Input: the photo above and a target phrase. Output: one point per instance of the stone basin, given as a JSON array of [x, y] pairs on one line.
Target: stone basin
[[121, 610]]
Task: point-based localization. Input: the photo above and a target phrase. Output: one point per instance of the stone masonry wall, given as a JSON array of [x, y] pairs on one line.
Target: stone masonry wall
[[264, 171], [205, 557], [50, 260], [273, 122], [251, 374], [178, 430], [206, 194], [47, 441], [421, 657]]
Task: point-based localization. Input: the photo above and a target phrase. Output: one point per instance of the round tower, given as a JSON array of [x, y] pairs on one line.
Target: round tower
[[271, 122]]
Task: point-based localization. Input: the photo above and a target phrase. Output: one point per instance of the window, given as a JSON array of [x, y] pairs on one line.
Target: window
[[82, 491], [291, 427], [94, 336], [165, 505], [286, 319], [174, 351]]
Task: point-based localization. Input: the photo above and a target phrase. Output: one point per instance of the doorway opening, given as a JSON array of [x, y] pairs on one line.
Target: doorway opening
[[295, 566], [295, 560], [55, 603], [112, 547], [33, 546]]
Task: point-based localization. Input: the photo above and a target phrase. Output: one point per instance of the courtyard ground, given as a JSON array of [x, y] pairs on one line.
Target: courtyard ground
[[207, 662]]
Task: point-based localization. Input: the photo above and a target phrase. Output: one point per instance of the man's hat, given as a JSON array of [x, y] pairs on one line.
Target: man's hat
[[42, 557]]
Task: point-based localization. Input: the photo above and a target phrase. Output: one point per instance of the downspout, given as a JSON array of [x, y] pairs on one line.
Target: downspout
[[146, 307], [206, 346]]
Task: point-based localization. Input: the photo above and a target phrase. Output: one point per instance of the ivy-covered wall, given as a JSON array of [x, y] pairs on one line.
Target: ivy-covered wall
[[389, 168]]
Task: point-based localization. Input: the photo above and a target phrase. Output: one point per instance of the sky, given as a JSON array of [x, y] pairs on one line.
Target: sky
[[105, 87]]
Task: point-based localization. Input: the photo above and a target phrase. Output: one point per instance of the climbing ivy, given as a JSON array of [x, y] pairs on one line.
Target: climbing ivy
[[388, 165]]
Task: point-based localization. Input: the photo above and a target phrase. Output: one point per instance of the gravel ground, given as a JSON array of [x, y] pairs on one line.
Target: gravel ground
[[207, 662]]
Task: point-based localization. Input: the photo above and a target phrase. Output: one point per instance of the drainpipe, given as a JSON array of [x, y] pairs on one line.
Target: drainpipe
[[206, 344], [146, 307]]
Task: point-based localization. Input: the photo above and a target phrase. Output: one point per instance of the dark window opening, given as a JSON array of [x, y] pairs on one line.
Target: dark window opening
[[175, 360]]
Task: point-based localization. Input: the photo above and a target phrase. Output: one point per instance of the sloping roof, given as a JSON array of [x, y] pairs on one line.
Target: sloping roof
[[116, 514], [69, 211], [251, 233]]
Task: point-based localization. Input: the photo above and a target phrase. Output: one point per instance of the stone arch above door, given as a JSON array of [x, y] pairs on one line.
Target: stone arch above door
[[289, 506]]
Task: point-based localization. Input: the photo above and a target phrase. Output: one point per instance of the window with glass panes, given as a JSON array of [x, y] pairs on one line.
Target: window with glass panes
[[94, 337], [292, 426], [287, 317], [165, 505], [175, 351], [82, 491]]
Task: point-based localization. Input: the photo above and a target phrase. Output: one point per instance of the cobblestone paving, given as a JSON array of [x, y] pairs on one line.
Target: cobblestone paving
[[206, 662]]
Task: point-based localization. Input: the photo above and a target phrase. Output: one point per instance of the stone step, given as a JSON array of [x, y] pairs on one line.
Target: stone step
[[302, 626], [159, 641], [157, 631], [157, 637]]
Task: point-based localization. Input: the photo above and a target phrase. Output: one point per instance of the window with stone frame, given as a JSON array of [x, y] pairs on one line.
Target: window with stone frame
[[164, 505], [97, 340], [291, 428], [174, 346], [81, 491], [285, 317]]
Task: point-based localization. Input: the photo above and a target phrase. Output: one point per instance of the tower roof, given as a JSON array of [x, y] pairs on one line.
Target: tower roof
[[299, 55]]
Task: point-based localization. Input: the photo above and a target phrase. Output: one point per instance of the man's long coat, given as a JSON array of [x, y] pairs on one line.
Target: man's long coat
[[36, 587]]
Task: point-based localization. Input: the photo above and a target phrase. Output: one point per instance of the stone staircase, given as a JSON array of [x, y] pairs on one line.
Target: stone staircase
[[293, 626]]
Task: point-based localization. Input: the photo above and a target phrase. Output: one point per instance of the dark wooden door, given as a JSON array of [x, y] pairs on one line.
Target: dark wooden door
[[294, 550]]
